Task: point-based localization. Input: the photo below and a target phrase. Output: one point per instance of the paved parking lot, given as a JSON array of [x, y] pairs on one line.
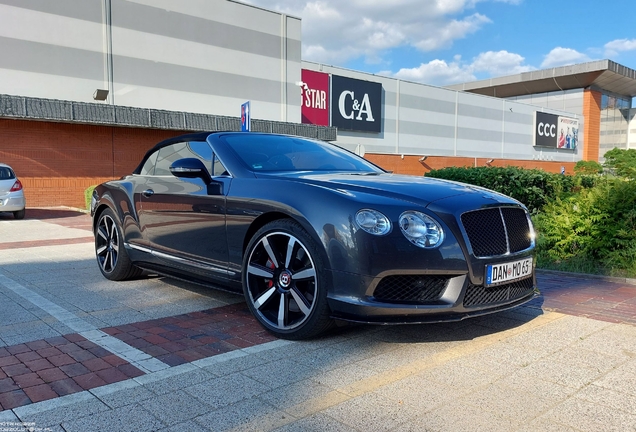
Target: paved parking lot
[[81, 353]]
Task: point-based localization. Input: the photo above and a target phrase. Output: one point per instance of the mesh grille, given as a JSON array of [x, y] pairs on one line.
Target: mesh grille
[[477, 295], [410, 288], [487, 233], [518, 229]]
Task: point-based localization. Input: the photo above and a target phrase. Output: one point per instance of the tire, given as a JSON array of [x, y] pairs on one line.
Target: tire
[[112, 258], [284, 281], [19, 214]]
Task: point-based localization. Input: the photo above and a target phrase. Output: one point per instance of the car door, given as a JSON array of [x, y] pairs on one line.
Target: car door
[[181, 222]]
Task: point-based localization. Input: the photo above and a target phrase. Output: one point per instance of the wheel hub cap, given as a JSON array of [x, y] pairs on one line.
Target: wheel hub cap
[[285, 279]]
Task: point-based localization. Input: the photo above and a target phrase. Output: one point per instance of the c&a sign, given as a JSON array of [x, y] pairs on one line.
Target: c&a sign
[[356, 104]]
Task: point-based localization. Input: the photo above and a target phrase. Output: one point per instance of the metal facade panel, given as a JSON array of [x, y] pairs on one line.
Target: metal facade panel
[[138, 72], [48, 109], [152, 20], [43, 58], [87, 10]]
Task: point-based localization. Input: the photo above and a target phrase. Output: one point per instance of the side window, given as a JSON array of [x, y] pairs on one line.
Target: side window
[[149, 166], [174, 152], [219, 168]]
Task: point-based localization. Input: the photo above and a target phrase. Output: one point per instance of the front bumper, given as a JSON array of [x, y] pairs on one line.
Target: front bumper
[[420, 301]]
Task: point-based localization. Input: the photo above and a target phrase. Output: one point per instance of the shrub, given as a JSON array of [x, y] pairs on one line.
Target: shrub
[[594, 229], [533, 187], [88, 193], [588, 167]]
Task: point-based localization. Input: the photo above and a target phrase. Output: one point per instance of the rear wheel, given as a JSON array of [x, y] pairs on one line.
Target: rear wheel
[[112, 257], [19, 214], [284, 283]]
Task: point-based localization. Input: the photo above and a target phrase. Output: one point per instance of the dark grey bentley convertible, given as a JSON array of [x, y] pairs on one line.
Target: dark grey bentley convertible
[[311, 233]]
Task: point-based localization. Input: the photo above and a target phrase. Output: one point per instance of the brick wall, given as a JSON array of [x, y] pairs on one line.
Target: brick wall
[[56, 162], [592, 114], [412, 166]]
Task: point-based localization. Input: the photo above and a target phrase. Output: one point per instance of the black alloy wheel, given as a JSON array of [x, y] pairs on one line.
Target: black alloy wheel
[[283, 281], [109, 249]]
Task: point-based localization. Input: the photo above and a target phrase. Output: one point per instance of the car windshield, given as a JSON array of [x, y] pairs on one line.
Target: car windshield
[[265, 153]]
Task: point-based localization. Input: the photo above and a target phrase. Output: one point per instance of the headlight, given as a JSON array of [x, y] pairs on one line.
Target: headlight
[[421, 230], [373, 222]]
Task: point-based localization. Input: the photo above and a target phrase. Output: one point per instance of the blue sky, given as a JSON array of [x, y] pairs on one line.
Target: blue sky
[[443, 42]]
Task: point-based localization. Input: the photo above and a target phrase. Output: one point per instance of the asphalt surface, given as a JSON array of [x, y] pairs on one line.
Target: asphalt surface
[[81, 353]]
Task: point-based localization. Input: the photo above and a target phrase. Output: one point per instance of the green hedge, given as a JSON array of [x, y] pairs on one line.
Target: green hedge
[[88, 193], [591, 231], [534, 188], [585, 223]]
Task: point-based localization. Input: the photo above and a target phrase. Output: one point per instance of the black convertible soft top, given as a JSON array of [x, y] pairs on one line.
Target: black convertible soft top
[[196, 136]]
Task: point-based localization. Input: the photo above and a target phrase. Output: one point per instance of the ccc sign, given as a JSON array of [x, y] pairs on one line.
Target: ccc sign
[[546, 130]]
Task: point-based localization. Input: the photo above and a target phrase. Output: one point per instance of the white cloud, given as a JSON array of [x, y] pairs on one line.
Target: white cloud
[[560, 56], [439, 72], [436, 72], [617, 46], [500, 63], [452, 31], [335, 31]]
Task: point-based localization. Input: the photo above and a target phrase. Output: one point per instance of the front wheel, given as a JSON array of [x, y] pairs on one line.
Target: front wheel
[[112, 257], [284, 283]]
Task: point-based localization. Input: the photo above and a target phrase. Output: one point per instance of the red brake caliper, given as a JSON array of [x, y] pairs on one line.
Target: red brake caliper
[[271, 265]]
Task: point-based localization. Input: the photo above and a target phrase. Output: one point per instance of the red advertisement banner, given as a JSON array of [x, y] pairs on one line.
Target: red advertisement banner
[[315, 97]]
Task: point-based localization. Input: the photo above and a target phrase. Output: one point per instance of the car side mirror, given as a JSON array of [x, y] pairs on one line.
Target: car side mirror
[[190, 168]]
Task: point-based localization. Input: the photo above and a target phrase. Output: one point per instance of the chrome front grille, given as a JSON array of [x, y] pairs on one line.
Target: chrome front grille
[[497, 231]]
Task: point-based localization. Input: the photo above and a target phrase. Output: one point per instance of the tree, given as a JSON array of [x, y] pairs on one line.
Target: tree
[[588, 167], [621, 162]]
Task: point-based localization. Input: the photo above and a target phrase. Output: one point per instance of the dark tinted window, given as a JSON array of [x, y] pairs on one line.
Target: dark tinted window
[[6, 173], [283, 153], [168, 155]]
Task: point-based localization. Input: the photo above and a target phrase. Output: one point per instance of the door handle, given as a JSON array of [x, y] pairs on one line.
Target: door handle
[[148, 193]]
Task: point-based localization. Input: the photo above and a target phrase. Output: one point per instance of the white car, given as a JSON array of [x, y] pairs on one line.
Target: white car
[[11, 193]]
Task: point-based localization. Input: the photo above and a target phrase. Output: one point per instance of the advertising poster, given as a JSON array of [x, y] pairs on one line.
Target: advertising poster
[[568, 133], [314, 99]]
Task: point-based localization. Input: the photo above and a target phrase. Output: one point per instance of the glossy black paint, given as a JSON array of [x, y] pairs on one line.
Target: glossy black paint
[[197, 228]]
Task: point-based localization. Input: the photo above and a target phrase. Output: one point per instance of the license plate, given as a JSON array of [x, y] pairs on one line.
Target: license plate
[[508, 272]]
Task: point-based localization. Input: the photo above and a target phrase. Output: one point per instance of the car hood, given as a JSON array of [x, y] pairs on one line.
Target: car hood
[[418, 190]]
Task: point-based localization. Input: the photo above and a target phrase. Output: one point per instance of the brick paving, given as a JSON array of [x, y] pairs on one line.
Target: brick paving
[[45, 369], [60, 216], [589, 297], [39, 243], [185, 338], [58, 366]]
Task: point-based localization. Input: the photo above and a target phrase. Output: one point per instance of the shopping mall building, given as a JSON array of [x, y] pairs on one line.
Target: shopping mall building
[[87, 86]]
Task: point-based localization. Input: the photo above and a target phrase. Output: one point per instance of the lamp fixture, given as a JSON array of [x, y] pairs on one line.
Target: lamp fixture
[[423, 158], [100, 94], [488, 162]]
